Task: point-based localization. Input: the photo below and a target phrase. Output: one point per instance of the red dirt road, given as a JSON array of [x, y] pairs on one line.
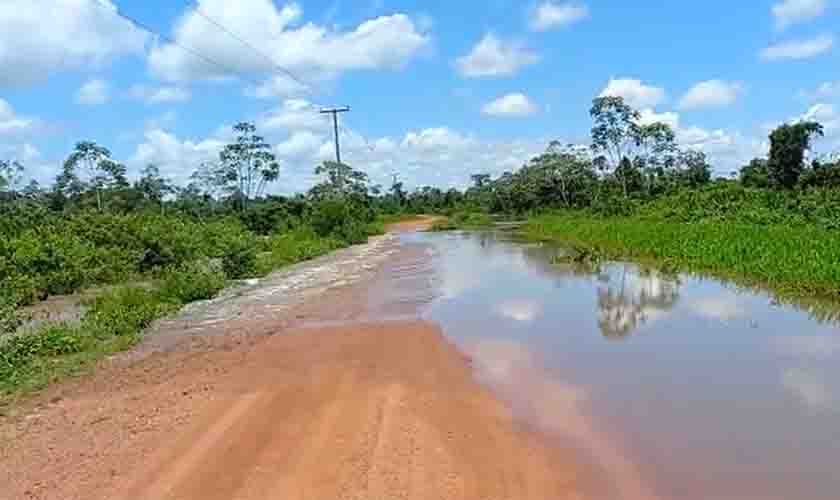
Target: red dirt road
[[363, 410], [372, 411], [369, 411]]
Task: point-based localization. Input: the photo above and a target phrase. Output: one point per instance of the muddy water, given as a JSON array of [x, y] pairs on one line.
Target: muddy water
[[674, 386]]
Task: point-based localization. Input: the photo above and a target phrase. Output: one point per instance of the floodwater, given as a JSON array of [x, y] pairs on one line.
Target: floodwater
[[673, 386]]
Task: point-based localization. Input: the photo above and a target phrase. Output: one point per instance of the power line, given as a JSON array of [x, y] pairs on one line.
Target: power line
[[262, 54], [149, 29], [351, 132]]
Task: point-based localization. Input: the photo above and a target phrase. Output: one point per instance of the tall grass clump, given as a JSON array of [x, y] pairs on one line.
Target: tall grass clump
[[794, 260]]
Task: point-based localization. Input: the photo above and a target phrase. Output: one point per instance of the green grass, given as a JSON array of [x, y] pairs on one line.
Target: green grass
[[115, 322], [792, 261], [464, 220], [284, 249], [30, 361]]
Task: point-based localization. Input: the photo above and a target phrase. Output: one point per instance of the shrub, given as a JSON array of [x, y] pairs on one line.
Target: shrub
[[341, 218], [9, 320], [200, 280], [240, 260], [18, 289], [295, 246], [124, 311]]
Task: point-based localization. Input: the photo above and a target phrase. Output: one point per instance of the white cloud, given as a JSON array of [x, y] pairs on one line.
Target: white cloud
[[436, 138], [303, 142], [94, 93], [11, 123], [649, 116], [177, 159], [826, 115], [160, 95], [292, 115], [24, 153], [302, 138], [511, 105], [36, 168], [40, 38], [549, 15], [820, 112], [494, 57], [307, 49], [798, 49], [790, 12], [634, 92], [278, 86], [711, 94], [727, 151], [824, 90]]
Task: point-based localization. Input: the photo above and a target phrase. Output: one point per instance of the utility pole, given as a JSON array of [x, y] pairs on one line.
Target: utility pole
[[334, 112]]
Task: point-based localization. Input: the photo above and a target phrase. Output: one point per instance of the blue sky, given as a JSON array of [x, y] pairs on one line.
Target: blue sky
[[438, 90]]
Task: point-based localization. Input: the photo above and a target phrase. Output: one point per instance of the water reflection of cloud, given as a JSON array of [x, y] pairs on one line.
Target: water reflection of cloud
[[459, 273], [720, 308], [815, 346], [553, 406], [521, 310], [808, 387]]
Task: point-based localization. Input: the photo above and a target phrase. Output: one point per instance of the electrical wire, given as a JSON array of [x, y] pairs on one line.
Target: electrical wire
[[196, 8], [144, 27]]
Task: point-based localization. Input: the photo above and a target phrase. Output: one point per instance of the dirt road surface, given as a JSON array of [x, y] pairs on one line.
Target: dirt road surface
[[257, 396]]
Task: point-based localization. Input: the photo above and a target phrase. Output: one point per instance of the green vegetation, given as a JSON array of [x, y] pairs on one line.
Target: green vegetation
[[790, 260], [464, 220], [636, 194], [151, 247], [633, 193]]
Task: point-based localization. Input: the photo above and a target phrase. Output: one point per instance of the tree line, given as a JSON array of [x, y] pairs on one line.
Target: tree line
[[627, 161]]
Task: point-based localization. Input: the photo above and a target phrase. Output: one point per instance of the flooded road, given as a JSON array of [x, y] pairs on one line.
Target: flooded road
[[450, 365], [675, 387]]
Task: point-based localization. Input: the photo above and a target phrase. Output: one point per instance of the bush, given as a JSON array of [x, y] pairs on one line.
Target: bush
[[19, 351], [200, 280], [794, 261], [115, 320], [296, 246], [9, 320], [18, 289], [341, 218], [240, 260], [124, 311]]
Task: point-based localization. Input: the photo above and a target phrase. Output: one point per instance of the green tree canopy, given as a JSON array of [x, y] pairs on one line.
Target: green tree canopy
[[245, 167], [788, 144]]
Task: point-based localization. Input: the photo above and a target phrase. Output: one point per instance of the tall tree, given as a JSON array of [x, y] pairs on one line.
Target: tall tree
[[397, 192], [755, 174], [614, 131], [340, 179], [11, 175], [788, 144], [247, 166], [101, 172], [154, 187], [619, 135]]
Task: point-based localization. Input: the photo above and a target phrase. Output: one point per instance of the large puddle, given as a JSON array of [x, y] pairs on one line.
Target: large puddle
[[677, 387]]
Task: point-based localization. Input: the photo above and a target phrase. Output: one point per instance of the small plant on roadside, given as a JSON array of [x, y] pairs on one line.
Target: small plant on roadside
[[200, 280]]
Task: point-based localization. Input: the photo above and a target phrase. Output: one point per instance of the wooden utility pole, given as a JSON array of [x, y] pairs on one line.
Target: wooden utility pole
[[334, 112]]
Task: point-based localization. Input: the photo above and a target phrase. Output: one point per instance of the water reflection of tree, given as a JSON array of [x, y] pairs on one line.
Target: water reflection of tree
[[629, 296]]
